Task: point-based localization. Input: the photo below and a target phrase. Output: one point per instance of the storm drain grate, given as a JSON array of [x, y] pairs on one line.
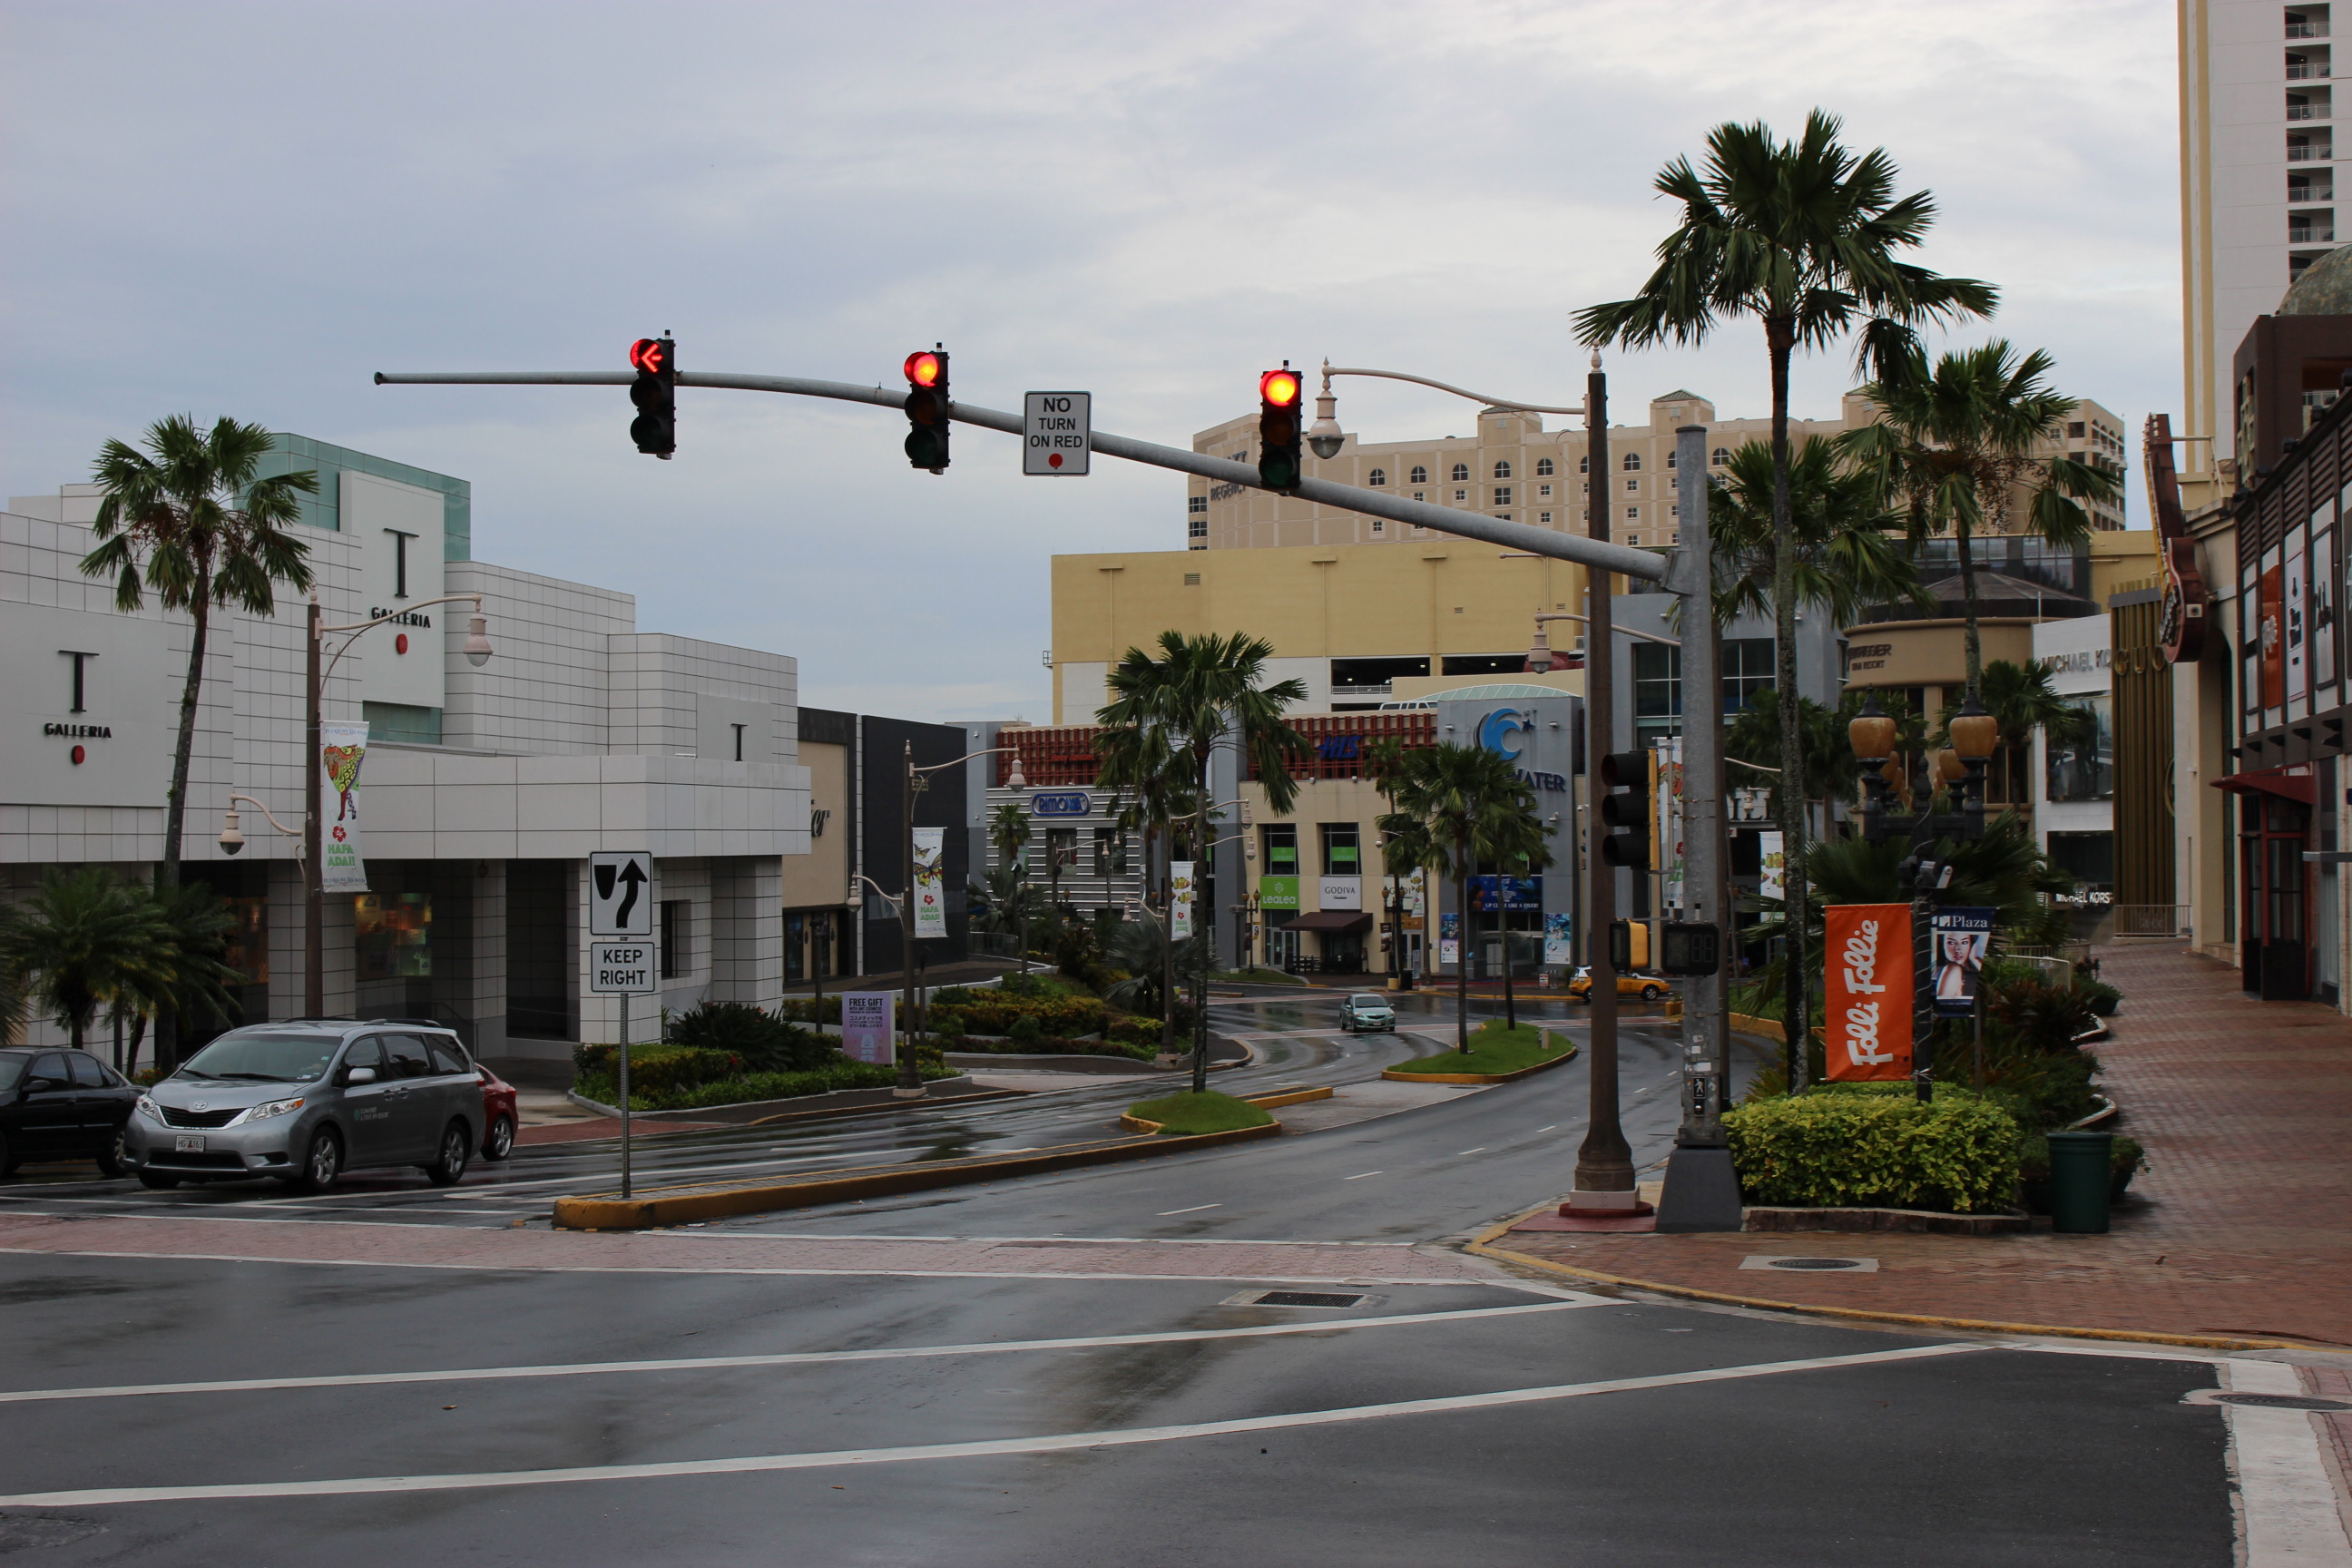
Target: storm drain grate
[[1306, 1299], [2283, 1402], [1811, 1265], [1816, 1263]]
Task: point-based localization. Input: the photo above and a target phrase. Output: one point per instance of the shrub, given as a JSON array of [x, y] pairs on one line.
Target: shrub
[[947, 1026], [2038, 1015], [765, 1043], [2103, 996], [1959, 1151], [1130, 1031], [1024, 1029], [654, 1070], [2125, 1160], [804, 1010], [842, 1073]]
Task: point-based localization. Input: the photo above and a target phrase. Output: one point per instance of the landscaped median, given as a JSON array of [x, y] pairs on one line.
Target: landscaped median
[[1190, 1115], [1496, 1055]]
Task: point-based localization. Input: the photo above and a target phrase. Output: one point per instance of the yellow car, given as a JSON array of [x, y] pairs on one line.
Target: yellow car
[[1648, 987]]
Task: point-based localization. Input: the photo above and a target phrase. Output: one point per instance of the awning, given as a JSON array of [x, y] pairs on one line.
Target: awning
[[2293, 786], [1331, 921]]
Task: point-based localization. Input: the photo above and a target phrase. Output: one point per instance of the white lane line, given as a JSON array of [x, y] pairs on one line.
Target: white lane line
[[1361, 1175], [1196, 1209], [1058, 1442], [1480, 1150], [2288, 1517], [786, 1358], [1554, 1127]]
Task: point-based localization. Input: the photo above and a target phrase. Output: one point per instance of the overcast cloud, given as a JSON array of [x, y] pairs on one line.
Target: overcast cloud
[[248, 209]]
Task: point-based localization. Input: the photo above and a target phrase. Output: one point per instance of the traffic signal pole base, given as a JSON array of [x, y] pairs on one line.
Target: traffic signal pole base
[[1702, 1190], [1584, 1204]]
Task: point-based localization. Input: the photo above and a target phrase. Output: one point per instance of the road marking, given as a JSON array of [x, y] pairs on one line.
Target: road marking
[[1554, 1127], [1196, 1209], [783, 1358], [1361, 1176], [2276, 1459], [1479, 1150], [1058, 1442]]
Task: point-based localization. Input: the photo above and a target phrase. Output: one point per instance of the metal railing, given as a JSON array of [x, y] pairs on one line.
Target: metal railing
[[2306, 112], [2306, 235], [2307, 155], [2151, 920], [2299, 194], [2307, 29], [2308, 72]]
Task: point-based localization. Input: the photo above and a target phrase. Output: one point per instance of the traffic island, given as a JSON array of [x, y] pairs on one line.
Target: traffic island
[[1178, 1115], [1496, 1055]]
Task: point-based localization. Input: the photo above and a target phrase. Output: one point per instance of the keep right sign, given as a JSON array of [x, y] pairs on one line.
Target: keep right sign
[[1057, 433]]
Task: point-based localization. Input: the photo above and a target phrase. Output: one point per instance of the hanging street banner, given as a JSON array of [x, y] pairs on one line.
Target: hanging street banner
[[865, 1026], [1774, 882], [1057, 433], [930, 883], [1667, 853], [1866, 1001], [1559, 946], [342, 749], [1961, 938], [1180, 914]]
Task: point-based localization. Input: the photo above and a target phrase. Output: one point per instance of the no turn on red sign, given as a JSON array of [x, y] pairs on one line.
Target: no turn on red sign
[[1057, 433]]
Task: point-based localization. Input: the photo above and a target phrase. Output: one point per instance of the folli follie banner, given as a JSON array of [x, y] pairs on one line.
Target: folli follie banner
[[1867, 993]]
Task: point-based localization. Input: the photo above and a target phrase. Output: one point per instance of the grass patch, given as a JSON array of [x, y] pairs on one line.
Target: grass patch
[[1255, 977], [1182, 1115], [1496, 1050]]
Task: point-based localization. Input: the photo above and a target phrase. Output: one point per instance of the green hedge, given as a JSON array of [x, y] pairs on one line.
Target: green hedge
[[749, 1087], [656, 1069], [1957, 1152]]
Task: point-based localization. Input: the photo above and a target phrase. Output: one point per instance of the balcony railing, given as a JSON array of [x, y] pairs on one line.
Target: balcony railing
[[2306, 112], [2308, 72], [2304, 195], [2294, 155], [2307, 29], [2311, 236], [1347, 693]]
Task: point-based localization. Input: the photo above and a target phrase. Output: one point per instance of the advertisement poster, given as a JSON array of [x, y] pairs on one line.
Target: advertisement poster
[[1558, 946], [342, 749], [2270, 632], [1278, 893], [1341, 892], [1179, 915], [1449, 937], [1866, 1008], [1957, 954], [1774, 858], [930, 886], [1666, 854], [865, 1026], [2292, 622], [1489, 894], [2323, 608]]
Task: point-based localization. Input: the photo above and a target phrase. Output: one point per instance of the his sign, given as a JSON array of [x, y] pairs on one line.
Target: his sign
[[865, 1031], [622, 968], [1867, 991], [621, 893], [1057, 433]]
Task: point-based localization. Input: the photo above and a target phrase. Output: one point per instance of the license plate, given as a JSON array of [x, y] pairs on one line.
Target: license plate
[[184, 1144]]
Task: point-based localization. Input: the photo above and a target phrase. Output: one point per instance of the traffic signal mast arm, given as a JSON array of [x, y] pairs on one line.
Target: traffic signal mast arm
[[1647, 565]]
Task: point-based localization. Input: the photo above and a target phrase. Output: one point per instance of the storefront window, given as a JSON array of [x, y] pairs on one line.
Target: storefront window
[[1340, 844], [2081, 765], [247, 951], [1281, 848], [394, 932]]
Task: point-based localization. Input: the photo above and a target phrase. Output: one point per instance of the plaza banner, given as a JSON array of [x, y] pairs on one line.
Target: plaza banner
[[930, 883], [1961, 938], [1179, 915], [1774, 882], [1558, 943], [1867, 991], [865, 1026], [342, 749]]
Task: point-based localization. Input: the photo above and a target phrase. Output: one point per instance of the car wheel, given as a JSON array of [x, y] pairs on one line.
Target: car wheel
[[455, 1147], [1652, 993], [321, 1163], [158, 1180], [111, 1161], [500, 1143]]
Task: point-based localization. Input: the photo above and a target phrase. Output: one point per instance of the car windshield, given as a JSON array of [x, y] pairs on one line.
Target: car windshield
[[1368, 1001], [263, 1059]]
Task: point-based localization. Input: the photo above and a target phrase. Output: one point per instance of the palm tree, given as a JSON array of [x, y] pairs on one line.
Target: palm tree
[[1008, 830], [1804, 236], [87, 939], [14, 1002], [1956, 443], [1198, 691], [193, 983], [2022, 699], [1511, 839], [1448, 798], [1138, 761], [1844, 551]]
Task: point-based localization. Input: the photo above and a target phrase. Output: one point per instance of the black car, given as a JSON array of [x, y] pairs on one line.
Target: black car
[[61, 1105]]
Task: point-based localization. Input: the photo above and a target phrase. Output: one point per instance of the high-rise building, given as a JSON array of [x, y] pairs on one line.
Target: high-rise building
[[2257, 192]]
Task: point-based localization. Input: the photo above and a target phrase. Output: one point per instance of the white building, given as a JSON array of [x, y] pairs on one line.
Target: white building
[[483, 791]]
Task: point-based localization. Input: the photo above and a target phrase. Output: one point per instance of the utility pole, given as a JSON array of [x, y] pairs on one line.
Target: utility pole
[[314, 897], [910, 1077], [1604, 1164], [1702, 1190]]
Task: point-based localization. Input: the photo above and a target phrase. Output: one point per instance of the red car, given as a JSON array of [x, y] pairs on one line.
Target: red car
[[497, 1114]]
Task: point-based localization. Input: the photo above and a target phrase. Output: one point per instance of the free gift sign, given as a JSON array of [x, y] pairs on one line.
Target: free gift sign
[[1867, 995]]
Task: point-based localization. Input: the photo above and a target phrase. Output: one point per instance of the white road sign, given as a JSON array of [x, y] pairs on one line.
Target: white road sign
[[622, 968], [621, 893], [1057, 433]]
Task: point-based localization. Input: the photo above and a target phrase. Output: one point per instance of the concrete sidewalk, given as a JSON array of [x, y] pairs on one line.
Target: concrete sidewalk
[[2239, 1229]]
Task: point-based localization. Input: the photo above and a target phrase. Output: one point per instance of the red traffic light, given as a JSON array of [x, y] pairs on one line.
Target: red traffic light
[[1279, 387], [923, 369], [649, 355]]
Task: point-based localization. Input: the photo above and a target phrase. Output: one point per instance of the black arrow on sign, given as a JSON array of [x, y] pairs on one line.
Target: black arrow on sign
[[634, 874]]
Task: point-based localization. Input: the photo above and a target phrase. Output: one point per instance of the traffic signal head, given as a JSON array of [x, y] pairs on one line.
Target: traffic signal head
[[1627, 805], [655, 392], [926, 409], [1279, 392]]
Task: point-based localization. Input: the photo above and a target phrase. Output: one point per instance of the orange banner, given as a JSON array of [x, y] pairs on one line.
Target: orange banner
[[1867, 992]]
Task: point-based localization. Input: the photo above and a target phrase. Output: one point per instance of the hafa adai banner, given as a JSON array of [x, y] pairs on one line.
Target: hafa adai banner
[[342, 749], [930, 883], [1180, 916], [1867, 991], [865, 1026], [1961, 937]]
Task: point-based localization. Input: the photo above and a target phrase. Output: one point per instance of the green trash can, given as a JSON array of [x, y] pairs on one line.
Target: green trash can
[[2079, 1164]]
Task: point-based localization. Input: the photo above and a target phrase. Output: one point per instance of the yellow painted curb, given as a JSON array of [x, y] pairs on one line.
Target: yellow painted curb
[[1483, 1245], [678, 1205], [1398, 1075], [1275, 1101]]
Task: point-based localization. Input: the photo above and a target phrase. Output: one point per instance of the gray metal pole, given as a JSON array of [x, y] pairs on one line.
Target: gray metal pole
[[1702, 1190], [314, 898], [625, 1094]]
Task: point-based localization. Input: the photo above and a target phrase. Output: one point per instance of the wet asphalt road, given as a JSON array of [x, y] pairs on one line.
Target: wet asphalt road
[[1419, 1423]]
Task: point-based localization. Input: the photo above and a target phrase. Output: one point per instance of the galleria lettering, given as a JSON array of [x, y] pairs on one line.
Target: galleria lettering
[[80, 732]]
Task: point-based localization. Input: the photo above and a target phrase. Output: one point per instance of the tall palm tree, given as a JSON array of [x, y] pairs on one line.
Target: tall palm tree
[[1009, 831], [1956, 443], [1139, 760], [1447, 798], [87, 939], [1511, 839], [1845, 548], [14, 999], [1805, 236], [1196, 693]]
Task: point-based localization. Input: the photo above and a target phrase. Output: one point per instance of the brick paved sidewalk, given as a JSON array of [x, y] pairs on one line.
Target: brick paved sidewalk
[[2242, 1226]]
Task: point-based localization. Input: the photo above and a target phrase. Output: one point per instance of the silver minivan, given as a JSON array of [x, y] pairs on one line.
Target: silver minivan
[[306, 1100]]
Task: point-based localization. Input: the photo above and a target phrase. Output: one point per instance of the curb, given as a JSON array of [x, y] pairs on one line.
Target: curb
[[1274, 1100], [1397, 1074], [1483, 1246], [677, 1205]]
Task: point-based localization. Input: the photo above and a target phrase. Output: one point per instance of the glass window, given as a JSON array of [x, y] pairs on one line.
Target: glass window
[[1632, 463], [2081, 765], [394, 934], [677, 938], [1674, 458], [1720, 457], [1461, 495], [1196, 528], [1631, 485], [1502, 495], [1747, 671], [12, 1067], [1196, 503], [1584, 465], [1461, 470], [52, 1065], [367, 1053], [1378, 478], [87, 1071], [1341, 849], [446, 1059], [1501, 470], [1281, 846], [1547, 517], [1657, 690], [405, 1056], [1420, 475], [267, 1058], [1543, 467], [1111, 852]]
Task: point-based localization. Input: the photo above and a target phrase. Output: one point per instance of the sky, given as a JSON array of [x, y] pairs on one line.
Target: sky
[[248, 209]]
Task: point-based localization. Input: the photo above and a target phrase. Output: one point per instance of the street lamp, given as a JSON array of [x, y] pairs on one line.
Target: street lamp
[[231, 841], [1324, 435], [910, 1078], [317, 668], [1539, 652]]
